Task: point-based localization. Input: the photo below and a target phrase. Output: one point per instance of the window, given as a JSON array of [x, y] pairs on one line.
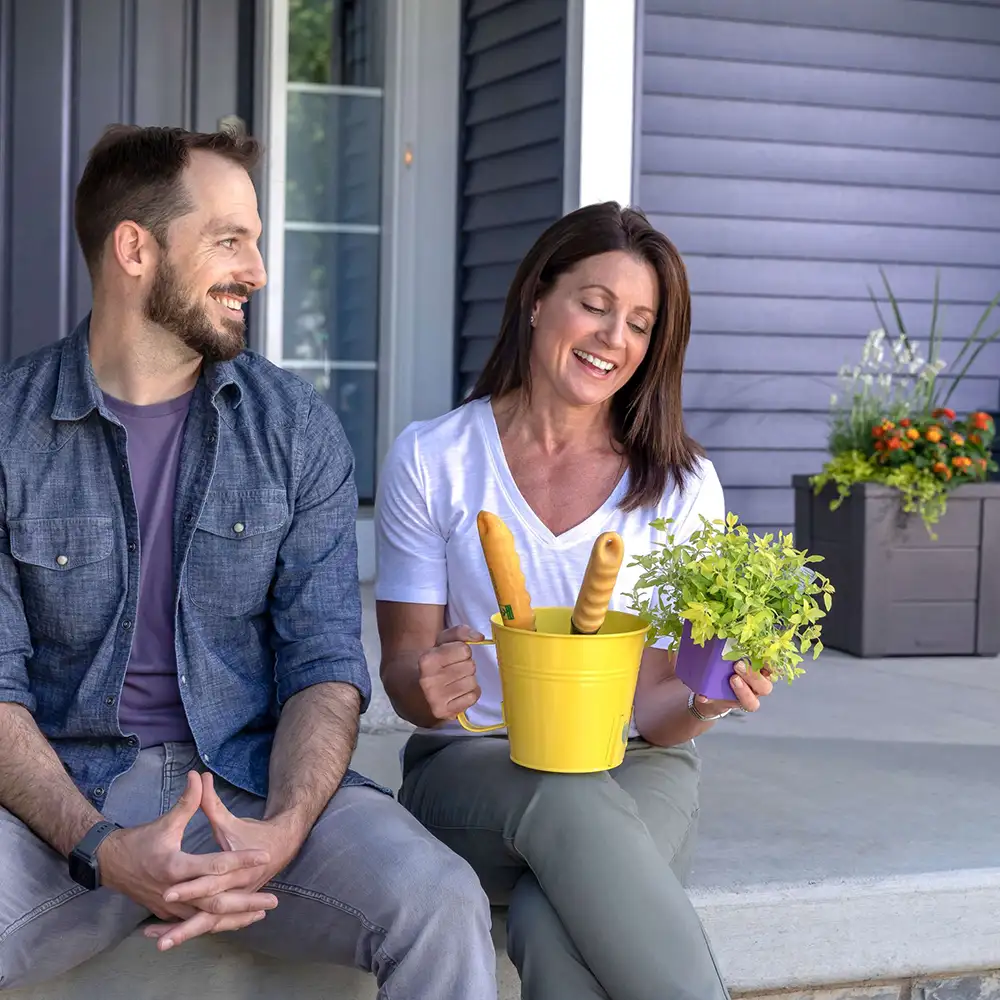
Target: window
[[327, 323]]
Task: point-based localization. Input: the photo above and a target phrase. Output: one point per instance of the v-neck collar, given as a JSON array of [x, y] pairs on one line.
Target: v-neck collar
[[586, 530]]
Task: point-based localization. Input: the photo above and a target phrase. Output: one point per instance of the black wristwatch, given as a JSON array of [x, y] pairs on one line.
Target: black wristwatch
[[83, 866]]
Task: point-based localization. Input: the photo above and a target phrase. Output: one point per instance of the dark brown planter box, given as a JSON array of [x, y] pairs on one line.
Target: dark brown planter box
[[900, 592]]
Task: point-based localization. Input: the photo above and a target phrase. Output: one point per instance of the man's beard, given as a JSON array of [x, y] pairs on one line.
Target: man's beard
[[169, 306]]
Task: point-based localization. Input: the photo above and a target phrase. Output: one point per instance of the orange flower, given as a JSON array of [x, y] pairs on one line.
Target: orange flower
[[975, 439], [913, 434], [933, 435], [880, 446], [877, 431], [905, 422], [982, 464], [945, 412], [940, 467], [961, 461], [888, 425], [905, 445], [894, 444], [981, 421], [957, 439]]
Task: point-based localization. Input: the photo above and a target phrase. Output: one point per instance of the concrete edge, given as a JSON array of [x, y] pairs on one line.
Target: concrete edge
[[779, 937]]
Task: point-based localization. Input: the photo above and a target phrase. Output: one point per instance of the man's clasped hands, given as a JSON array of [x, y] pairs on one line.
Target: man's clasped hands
[[197, 894]]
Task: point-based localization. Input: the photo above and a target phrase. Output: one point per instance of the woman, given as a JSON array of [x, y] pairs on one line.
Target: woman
[[574, 428]]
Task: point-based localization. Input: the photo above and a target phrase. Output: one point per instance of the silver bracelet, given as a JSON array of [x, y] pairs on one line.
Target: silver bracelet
[[693, 709]]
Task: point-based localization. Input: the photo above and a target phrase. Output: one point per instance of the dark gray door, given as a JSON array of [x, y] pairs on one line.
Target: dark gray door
[[68, 68], [789, 147]]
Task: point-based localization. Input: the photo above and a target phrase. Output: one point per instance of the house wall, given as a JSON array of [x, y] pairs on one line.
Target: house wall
[[789, 147], [512, 131], [68, 68]]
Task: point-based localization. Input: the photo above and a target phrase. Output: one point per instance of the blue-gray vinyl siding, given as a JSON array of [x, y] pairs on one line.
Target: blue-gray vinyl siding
[[68, 68], [789, 148], [511, 157]]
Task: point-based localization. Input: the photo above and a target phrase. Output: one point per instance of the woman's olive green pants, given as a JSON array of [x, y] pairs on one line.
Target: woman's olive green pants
[[590, 865]]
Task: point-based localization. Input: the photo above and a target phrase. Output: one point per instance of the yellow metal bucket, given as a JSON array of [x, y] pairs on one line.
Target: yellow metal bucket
[[567, 699]]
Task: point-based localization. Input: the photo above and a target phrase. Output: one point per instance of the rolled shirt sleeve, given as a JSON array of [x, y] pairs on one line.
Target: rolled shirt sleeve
[[315, 595], [15, 640]]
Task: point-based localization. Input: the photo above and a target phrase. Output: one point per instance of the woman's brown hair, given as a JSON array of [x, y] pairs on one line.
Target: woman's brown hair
[[646, 417]]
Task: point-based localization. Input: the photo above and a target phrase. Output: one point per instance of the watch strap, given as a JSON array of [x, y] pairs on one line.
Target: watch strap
[[94, 837]]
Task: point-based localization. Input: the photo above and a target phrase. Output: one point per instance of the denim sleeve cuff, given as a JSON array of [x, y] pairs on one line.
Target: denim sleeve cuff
[[345, 665], [17, 696]]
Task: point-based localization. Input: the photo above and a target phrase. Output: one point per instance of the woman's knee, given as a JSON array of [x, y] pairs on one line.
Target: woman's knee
[[578, 797]]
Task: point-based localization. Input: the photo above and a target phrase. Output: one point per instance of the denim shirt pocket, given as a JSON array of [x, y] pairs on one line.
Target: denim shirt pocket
[[67, 576], [231, 562]]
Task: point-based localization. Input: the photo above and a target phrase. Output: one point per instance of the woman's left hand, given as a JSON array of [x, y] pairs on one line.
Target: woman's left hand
[[748, 685]]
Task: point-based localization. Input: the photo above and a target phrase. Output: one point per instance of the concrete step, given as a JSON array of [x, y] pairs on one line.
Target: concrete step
[[808, 937]]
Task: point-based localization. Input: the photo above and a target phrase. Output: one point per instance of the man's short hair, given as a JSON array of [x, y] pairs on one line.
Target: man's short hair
[[134, 174]]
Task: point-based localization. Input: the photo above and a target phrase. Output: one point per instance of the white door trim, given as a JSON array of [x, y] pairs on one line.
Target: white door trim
[[600, 101]]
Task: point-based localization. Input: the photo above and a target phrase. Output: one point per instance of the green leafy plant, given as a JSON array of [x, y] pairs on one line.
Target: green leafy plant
[[891, 423], [756, 591]]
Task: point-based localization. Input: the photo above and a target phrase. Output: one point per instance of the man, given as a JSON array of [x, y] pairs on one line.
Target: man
[[181, 671]]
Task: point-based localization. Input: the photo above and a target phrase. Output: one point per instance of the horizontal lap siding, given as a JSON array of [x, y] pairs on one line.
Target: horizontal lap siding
[[68, 68], [513, 123], [789, 148]]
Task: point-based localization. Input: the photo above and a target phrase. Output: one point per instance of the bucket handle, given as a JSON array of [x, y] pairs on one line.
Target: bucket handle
[[462, 717], [473, 728]]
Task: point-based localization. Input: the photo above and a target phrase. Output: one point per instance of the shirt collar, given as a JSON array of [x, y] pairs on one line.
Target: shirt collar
[[78, 393]]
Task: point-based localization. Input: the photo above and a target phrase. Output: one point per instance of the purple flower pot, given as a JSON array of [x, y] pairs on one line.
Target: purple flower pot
[[703, 669]]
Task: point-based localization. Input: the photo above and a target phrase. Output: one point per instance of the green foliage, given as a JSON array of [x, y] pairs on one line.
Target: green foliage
[[310, 40], [758, 592], [922, 458], [922, 492], [890, 425]]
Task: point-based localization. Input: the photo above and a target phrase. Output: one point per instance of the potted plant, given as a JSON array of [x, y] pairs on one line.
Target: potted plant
[[722, 595], [904, 510]]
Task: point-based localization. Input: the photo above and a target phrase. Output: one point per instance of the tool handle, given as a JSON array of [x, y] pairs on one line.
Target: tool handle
[[505, 572], [598, 584]]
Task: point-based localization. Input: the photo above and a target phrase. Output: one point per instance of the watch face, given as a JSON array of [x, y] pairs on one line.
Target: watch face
[[83, 871]]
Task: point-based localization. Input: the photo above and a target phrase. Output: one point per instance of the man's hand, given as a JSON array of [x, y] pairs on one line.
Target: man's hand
[[144, 862], [448, 673], [277, 839]]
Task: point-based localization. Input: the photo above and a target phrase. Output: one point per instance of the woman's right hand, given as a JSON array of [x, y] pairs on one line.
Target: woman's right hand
[[448, 673]]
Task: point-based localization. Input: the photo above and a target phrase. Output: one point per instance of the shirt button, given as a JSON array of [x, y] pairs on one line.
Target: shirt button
[[131, 546], [133, 741], [205, 758], [184, 679], [239, 527], [210, 438], [126, 625], [62, 560], [188, 518], [110, 700], [98, 793]]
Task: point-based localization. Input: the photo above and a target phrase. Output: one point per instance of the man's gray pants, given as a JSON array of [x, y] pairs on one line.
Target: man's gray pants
[[371, 889]]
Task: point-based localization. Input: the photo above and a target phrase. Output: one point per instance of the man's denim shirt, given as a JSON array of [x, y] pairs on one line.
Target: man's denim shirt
[[262, 611]]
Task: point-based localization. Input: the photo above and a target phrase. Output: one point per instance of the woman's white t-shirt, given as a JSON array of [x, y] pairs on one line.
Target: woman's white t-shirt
[[440, 474]]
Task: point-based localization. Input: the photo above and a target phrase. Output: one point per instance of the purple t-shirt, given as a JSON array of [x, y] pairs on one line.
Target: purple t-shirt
[[151, 706]]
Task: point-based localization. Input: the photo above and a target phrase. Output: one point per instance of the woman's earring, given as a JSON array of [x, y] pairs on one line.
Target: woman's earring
[[532, 320]]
